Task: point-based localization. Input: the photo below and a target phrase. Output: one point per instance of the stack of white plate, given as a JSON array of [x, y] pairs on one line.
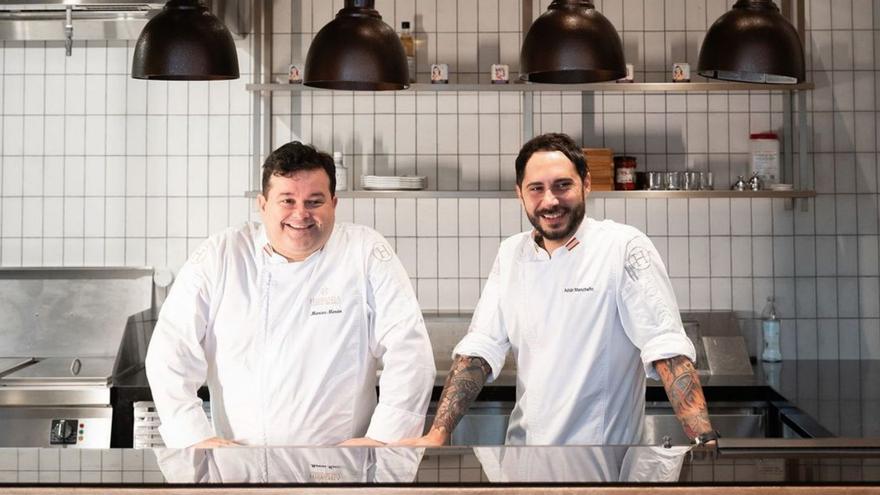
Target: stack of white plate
[[394, 182], [146, 424], [781, 187]]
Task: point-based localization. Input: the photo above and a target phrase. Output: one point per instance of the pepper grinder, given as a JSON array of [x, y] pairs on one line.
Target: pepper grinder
[[739, 185]]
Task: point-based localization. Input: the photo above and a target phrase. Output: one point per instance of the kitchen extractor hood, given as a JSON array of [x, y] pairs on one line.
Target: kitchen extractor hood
[[47, 20]]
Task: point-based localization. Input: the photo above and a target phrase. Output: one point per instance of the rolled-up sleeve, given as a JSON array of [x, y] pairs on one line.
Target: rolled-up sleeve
[[176, 363], [487, 336], [400, 340], [648, 309]]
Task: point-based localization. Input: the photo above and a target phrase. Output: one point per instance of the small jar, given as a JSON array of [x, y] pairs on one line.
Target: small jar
[[624, 173]]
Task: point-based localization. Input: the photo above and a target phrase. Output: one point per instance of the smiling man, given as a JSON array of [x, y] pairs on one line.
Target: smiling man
[[588, 311], [287, 321]]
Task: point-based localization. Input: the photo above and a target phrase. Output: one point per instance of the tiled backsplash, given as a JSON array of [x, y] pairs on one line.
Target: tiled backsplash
[[101, 169]]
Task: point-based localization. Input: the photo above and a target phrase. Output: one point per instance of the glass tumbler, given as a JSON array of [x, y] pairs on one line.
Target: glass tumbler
[[656, 181], [691, 181], [673, 181], [707, 181]]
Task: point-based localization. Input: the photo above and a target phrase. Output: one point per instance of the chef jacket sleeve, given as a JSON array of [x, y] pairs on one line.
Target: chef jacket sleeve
[[647, 306], [176, 362], [400, 340], [487, 336]]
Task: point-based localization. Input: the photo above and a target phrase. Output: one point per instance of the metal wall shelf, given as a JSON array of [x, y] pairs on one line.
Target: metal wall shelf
[[594, 87], [385, 194]]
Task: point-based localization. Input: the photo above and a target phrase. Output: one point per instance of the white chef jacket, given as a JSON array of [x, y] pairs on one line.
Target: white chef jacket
[[581, 325], [290, 350]]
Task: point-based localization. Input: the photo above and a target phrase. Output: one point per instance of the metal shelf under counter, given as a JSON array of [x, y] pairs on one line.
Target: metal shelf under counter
[[641, 87], [431, 194]]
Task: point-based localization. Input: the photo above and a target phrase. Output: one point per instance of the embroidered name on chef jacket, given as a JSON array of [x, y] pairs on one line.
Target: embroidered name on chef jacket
[[571, 290], [325, 303]]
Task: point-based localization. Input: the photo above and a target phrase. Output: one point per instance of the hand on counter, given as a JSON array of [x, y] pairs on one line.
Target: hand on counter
[[215, 442], [361, 442], [434, 438]]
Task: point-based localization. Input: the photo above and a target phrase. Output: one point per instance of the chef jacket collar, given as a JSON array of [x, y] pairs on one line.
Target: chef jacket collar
[[261, 243], [573, 242]]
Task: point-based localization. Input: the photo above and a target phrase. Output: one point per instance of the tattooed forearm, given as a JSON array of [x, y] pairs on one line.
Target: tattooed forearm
[[463, 384], [682, 385]]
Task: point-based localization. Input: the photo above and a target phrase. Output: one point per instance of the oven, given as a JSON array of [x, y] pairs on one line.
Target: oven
[[66, 335]]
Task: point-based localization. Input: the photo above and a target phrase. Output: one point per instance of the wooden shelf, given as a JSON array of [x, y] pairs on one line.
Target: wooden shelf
[[383, 194], [598, 87]]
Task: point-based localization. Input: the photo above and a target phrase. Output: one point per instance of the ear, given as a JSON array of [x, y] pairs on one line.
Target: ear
[[518, 191], [261, 203], [588, 184], [334, 201]]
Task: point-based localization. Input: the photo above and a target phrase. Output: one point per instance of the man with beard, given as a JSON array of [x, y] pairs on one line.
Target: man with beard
[[587, 308]]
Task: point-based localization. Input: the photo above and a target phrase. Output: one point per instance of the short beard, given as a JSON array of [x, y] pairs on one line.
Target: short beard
[[575, 219]]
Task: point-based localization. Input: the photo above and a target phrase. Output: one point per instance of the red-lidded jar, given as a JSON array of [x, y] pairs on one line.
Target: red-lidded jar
[[624, 173]]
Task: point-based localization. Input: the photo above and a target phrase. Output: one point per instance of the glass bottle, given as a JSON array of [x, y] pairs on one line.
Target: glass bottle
[[341, 172], [770, 327], [409, 46]]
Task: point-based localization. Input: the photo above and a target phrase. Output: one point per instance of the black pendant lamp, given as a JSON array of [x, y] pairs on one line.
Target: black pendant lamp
[[185, 42], [755, 43], [357, 51], [572, 43]]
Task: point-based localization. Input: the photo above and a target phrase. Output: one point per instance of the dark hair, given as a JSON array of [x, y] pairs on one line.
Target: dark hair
[[294, 157], [551, 142]]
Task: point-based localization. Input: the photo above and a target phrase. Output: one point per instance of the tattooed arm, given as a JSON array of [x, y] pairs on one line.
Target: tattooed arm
[[683, 388], [463, 384]]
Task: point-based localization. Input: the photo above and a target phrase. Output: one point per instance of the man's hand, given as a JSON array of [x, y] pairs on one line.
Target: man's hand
[[434, 438], [683, 388], [361, 442], [213, 443]]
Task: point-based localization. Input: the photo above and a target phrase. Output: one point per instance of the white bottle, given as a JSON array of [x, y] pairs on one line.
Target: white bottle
[[341, 172], [770, 328]]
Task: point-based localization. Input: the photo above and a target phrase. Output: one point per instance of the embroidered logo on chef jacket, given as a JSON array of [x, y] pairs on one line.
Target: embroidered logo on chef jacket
[[637, 259], [325, 303], [382, 251], [323, 473]]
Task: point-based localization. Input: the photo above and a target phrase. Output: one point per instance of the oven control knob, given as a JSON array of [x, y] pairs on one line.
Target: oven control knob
[[63, 432]]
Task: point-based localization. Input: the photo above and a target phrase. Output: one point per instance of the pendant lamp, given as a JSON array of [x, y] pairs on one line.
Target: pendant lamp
[[572, 43], [754, 43], [185, 42], [357, 51]]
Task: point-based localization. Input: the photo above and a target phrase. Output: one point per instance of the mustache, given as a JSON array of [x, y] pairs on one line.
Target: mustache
[[551, 211]]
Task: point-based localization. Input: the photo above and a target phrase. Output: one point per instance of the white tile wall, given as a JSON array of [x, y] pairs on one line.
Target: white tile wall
[[98, 168]]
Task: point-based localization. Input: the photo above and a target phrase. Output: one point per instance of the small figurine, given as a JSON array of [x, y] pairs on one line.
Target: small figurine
[[500, 74], [681, 72], [295, 74], [439, 74]]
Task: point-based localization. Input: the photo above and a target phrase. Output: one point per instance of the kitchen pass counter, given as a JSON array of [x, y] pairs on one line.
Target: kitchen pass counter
[[417, 470]]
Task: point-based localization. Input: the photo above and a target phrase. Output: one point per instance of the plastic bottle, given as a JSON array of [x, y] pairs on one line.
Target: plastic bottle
[[341, 172], [770, 327], [409, 46]]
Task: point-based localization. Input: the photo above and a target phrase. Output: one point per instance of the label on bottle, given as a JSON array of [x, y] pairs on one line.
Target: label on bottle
[[771, 341], [341, 178], [766, 165], [625, 175]]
